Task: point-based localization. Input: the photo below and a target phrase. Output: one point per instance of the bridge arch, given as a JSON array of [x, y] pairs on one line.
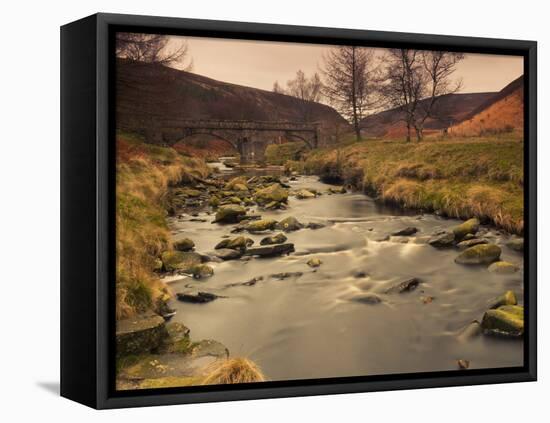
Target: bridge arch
[[232, 143]]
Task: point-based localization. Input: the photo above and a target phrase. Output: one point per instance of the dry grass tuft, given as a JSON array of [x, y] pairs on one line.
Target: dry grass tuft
[[233, 370]]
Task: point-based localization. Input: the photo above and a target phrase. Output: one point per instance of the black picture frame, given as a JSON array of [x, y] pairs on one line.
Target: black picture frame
[[87, 211]]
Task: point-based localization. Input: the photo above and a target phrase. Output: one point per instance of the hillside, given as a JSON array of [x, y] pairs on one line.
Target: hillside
[[145, 91], [449, 108], [501, 113]]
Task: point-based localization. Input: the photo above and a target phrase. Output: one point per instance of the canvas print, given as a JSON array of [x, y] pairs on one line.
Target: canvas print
[[291, 211]]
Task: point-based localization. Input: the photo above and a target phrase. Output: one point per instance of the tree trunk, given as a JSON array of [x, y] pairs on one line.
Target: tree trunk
[[408, 132]]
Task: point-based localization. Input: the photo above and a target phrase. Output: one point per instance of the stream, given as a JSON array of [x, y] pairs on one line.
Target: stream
[[311, 326]]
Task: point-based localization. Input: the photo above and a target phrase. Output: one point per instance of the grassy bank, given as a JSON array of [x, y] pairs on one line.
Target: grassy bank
[[279, 154], [457, 177], [144, 172]]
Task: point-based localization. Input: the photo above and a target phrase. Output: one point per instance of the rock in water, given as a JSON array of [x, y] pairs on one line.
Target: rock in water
[[367, 299], [444, 240], [201, 271], [140, 334], [503, 268], [304, 194], [471, 226], [238, 243], [405, 286], [289, 224], [508, 298], [228, 254], [314, 225], [463, 364], [411, 230], [314, 262], [239, 183], [180, 260], [505, 321], [198, 298], [270, 251], [184, 244], [274, 192], [471, 331], [479, 254], [231, 213], [261, 225], [470, 243], [515, 244], [275, 239]]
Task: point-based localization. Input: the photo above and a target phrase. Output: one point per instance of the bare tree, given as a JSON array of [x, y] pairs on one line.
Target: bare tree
[[277, 88], [439, 67], [351, 77], [152, 48], [414, 82], [308, 90]]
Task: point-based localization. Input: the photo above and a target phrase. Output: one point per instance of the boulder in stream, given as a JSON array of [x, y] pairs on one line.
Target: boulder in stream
[[304, 194], [471, 226], [196, 298], [463, 245], [367, 299], [444, 240], [184, 244], [280, 238], [274, 192], [237, 243], [408, 231], [271, 250], [508, 298], [261, 225], [228, 254], [289, 224], [201, 271], [479, 254], [231, 213], [314, 262], [503, 268], [407, 285], [506, 321]]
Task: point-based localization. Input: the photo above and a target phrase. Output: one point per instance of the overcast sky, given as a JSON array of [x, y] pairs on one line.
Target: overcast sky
[[260, 63]]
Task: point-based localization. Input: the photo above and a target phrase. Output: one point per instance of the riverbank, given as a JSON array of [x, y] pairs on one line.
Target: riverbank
[[456, 177], [144, 173]]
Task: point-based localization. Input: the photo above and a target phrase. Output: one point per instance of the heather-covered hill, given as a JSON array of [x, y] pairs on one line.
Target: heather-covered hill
[[146, 90], [501, 113], [449, 109]]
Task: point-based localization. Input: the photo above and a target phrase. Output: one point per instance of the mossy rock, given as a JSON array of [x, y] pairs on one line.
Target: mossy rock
[[304, 194], [314, 262], [201, 271], [237, 184], [467, 243], [188, 192], [515, 244], [444, 240], [471, 226], [479, 254], [140, 334], [274, 192], [214, 201], [261, 225], [180, 260], [178, 339], [505, 321], [157, 265], [238, 243], [337, 190], [508, 298], [184, 244], [209, 347], [275, 239], [230, 214], [234, 200], [503, 268], [290, 224]]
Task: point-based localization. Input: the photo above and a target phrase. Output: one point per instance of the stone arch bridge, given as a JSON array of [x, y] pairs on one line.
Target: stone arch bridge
[[249, 138]]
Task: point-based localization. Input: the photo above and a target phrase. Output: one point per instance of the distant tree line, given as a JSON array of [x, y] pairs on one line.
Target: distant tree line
[[359, 81]]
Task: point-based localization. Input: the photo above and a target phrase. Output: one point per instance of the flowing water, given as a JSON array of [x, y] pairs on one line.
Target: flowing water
[[310, 326]]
